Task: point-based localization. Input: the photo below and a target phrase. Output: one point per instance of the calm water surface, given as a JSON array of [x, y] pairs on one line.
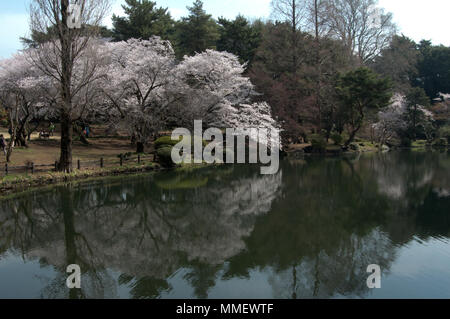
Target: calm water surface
[[308, 232]]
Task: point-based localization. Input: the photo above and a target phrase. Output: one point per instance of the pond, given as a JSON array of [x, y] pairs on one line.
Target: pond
[[309, 231]]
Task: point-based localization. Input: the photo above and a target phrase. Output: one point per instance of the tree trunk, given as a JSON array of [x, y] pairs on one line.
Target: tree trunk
[[9, 151], [21, 139], [12, 138], [139, 147], [352, 137], [318, 66], [65, 161], [294, 35]]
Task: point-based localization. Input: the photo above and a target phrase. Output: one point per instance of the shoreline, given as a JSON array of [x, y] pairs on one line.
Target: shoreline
[[22, 184]]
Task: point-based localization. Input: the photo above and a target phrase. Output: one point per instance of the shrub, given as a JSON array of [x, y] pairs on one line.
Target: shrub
[[318, 143], [165, 156], [337, 138], [354, 147], [166, 141], [440, 142], [3, 118], [444, 132], [405, 142]]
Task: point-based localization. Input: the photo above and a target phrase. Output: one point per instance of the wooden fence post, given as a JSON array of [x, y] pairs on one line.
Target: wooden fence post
[[32, 166]]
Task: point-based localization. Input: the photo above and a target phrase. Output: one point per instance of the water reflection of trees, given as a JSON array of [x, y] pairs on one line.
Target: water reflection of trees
[[335, 217], [419, 207], [314, 228], [140, 229]]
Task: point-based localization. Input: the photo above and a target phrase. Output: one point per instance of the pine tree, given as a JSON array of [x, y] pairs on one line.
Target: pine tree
[[240, 37], [143, 20], [197, 32]]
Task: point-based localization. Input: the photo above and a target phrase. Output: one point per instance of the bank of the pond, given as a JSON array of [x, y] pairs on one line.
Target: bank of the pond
[[358, 147], [300, 150], [19, 183]]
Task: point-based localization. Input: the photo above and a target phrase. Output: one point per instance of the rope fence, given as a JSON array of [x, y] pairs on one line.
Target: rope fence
[[77, 164]]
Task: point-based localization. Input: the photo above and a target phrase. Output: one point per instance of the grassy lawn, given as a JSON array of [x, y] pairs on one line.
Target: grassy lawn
[[47, 152]]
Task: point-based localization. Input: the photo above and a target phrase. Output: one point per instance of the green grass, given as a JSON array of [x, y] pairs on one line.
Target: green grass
[[20, 182], [366, 145], [15, 178], [419, 144]]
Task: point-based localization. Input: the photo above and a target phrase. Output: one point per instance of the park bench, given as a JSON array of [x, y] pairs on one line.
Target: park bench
[[44, 135]]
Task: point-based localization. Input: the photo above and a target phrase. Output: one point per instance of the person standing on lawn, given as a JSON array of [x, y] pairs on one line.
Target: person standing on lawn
[[52, 128], [10, 134], [3, 144]]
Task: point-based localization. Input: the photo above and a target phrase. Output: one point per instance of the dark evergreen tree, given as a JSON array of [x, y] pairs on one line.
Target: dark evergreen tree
[[240, 37], [416, 98], [434, 69], [143, 20], [197, 32], [358, 92]]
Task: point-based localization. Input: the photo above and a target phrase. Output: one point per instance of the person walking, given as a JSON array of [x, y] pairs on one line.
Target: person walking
[[3, 144], [10, 132], [52, 129]]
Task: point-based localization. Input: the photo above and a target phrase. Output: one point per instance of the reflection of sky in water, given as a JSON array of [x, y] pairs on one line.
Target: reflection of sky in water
[[421, 270], [19, 279], [254, 287]]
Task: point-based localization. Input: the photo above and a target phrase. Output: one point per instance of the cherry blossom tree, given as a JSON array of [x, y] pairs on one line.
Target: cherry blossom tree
[[150, 91], [140, 85], [215, 90], [69, 48], [391, 120], [20, 99], [394, 120], [211, 82]]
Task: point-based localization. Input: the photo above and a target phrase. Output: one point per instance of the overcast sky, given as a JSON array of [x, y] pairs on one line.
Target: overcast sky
[[417, 19]]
